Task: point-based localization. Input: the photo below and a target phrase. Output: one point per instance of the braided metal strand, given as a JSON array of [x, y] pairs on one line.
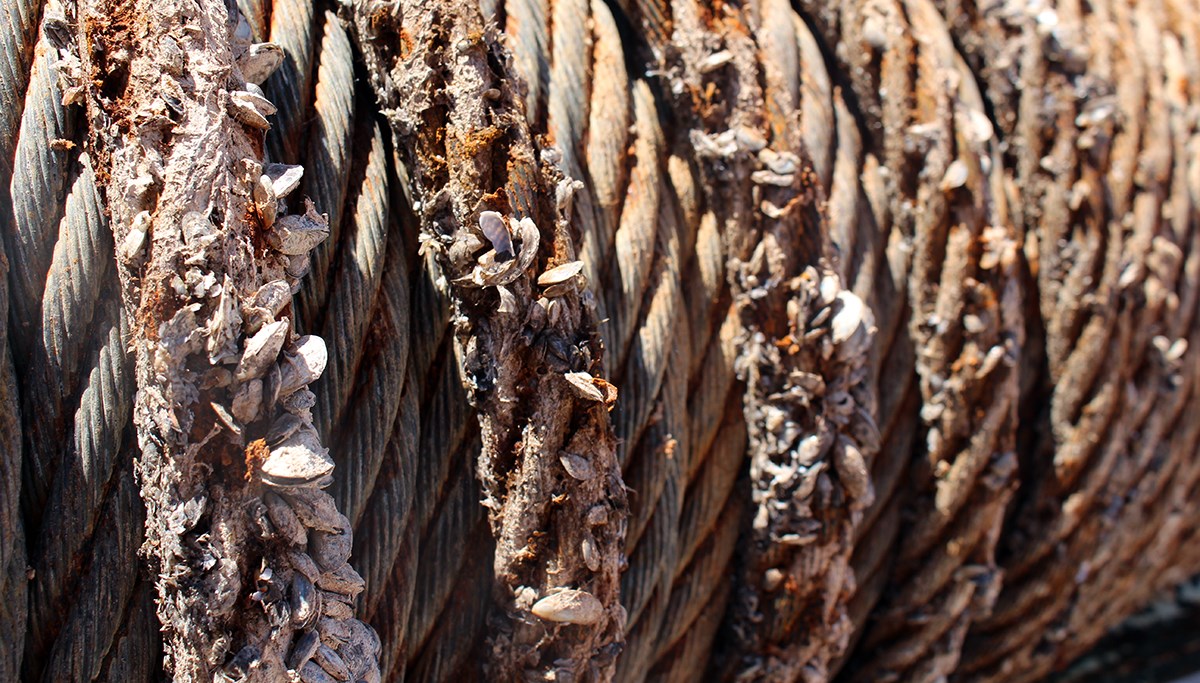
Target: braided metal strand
[[82, 486], [290, 88], [330, 138]]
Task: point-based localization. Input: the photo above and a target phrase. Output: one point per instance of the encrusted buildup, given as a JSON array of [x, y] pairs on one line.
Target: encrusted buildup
[[494, 214], [250, 552]]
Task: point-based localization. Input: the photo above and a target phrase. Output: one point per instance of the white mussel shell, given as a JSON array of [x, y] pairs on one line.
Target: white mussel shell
[[284, 178], [251, 109], [261, 350], [302, 364], [569, 607], [298, 461]]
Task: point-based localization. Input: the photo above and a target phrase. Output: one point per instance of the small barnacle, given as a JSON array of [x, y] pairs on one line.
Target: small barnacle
[[584, 387], [135, 239], [299, 234], [284, 178], [300, 460], [955, 176], [251, 108], [569, 607], [591, 554], [260, 61], [577, 466], [261, 350]]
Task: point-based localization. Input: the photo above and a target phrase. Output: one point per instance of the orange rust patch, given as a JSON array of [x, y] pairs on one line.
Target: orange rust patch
[[255, 454], [406, 41]]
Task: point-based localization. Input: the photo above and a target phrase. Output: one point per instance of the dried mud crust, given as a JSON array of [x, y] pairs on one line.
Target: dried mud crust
[[250, 553], [494, 215]]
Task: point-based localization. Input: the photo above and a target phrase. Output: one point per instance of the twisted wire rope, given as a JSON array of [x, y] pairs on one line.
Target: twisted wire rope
[[58, 235]]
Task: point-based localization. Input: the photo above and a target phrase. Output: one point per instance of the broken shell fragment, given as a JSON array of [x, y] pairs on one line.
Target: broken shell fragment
[[251, 109], [260, 61], [584, 387], [226, 418], [569, 607], [261, 350], [494, 228], [299, 234], [247, 401], [299, 461], [303, 364]]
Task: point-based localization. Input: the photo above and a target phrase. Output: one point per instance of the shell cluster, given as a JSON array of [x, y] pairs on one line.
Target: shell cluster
[[305, 585]]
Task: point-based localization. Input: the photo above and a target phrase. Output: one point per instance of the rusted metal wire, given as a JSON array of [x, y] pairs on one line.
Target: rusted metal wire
[[999, 240]]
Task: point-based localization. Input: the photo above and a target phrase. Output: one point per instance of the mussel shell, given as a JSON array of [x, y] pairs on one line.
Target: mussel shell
[[298, 461]]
